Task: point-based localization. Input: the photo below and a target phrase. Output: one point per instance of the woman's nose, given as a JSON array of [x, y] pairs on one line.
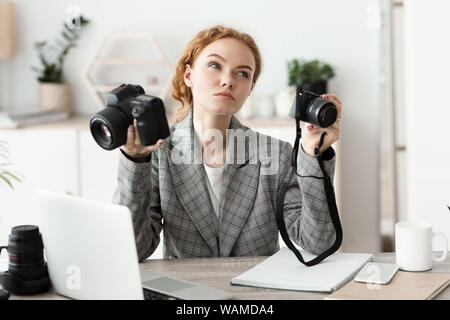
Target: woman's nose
[[227, 81]]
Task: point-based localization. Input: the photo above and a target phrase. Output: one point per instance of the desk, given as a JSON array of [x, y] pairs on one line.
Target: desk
[[217, 272]]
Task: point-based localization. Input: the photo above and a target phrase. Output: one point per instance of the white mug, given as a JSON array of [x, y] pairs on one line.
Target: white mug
[[413, 246]]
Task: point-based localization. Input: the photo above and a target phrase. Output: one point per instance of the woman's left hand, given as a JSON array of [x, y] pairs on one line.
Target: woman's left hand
[[311, 133]]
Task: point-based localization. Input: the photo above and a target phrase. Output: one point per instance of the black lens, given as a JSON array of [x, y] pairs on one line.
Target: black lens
[[26, 253], [109, 128], [321, 113], [101, 133], [106, 133]]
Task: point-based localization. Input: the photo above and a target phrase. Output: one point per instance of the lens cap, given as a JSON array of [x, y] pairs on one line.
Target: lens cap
[[25, 239], [25, 231], [327, 115]]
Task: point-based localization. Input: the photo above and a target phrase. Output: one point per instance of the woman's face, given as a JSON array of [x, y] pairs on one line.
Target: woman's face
[[221, 77]]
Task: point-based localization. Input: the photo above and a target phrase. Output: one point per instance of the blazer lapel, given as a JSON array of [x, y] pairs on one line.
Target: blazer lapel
[[239, 188], [188, 178]]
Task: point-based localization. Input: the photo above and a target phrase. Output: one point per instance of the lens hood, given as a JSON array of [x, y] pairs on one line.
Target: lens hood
[[117, 124]]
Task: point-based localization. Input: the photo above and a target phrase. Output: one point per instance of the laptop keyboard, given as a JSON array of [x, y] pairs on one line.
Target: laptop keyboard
[[155, 295]]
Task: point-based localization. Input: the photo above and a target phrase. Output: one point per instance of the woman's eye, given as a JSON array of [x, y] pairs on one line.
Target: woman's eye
[[214, 65], [244, 74]]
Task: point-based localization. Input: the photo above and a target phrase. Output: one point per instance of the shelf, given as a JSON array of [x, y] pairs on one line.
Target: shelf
[[267, 122], [129, 35], [127, 62], [82, 123], [108, 88], [98, 88]]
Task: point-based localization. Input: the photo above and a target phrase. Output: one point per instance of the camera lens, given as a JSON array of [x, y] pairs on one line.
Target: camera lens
[[106, 133], [109, 128], [321, 112], [26, 253], [102, 134]]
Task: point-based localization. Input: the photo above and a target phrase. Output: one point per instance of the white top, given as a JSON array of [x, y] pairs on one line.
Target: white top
[[214, 183], [214, 177]]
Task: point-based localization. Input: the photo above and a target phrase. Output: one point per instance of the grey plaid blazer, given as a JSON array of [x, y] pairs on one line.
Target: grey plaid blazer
[[171, 195]]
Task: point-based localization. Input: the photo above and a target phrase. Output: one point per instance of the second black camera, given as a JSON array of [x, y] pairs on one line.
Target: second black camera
[[314, 109]]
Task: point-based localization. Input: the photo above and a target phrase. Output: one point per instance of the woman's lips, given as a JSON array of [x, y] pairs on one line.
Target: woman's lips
[[227, 97]]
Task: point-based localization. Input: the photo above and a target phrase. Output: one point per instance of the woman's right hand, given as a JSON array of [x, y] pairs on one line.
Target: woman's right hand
[[134, 148]]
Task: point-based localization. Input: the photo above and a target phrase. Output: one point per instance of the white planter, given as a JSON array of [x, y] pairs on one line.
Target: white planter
[[265, 107], [247, 111], [284, 100], [54, 96]]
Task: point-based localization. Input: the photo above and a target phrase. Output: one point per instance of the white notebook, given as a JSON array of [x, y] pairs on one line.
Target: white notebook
[[283, 271]]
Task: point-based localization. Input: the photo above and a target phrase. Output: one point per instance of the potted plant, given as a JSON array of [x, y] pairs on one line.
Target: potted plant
[[310, 75], [54, 93], [6, 176]]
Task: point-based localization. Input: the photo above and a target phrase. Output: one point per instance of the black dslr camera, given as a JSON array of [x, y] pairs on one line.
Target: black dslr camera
[[312, 108], [123, 105]]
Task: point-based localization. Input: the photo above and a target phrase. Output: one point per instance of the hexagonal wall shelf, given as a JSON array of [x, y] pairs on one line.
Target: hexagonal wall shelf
[[98, 89]]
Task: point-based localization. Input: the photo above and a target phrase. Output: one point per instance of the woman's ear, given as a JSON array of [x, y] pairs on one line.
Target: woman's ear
[[187, 75]]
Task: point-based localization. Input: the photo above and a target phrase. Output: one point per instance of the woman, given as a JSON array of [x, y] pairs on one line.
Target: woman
[[218, 206]]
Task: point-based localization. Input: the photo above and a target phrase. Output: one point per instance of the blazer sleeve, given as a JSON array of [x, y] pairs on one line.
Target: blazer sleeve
[[305, 209], [138, 189]]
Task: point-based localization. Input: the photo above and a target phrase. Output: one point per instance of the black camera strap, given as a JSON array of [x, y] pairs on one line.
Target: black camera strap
[[331, 200]]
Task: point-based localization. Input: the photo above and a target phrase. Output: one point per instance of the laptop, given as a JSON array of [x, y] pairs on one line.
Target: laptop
[[91, 253]]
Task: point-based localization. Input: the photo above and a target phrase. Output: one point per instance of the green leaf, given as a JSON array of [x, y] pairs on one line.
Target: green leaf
[[36, 69], [5, 164], [7, 181], [13, 176], [40, 45], [60, 43], [67, 36]]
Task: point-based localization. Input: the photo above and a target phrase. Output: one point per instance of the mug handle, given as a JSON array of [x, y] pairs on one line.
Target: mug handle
[[444, 254]]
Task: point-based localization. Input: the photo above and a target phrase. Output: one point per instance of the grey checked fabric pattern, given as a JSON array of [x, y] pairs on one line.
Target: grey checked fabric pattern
[[169, 196]]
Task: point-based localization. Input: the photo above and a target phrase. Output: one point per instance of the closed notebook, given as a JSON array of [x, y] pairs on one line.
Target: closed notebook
[[283, 271], [404, 286]]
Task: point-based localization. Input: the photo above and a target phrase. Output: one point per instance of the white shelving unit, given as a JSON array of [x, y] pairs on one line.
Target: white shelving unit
[[98, 89]]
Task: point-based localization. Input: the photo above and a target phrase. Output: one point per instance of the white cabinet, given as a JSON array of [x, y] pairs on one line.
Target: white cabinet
[[61, 160], [98, 169], [45, 159]]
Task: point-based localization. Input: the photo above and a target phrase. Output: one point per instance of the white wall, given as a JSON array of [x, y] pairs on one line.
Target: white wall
[[334, 31], [427, 66]]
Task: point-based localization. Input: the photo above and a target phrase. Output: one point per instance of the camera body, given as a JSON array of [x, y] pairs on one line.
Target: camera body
[[312, 108], [124, 104]]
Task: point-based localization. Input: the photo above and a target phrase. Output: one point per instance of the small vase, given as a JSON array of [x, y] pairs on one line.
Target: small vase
[[247, 111], [283, 101], [55, 96], [265, 108]]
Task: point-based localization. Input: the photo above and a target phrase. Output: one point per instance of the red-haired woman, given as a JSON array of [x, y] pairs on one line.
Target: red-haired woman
[[211, 196]]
